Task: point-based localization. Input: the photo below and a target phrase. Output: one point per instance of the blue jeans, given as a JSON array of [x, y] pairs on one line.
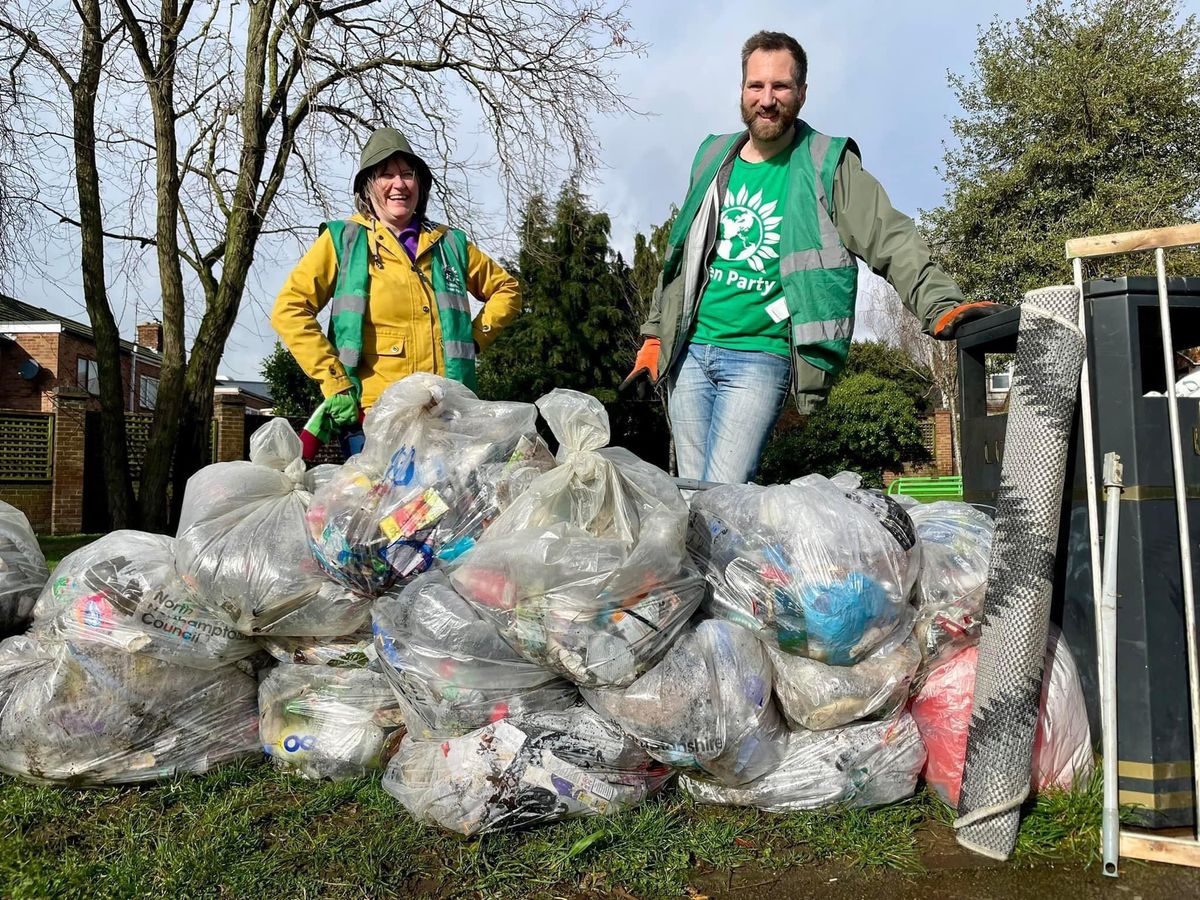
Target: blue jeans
[[723, 405]]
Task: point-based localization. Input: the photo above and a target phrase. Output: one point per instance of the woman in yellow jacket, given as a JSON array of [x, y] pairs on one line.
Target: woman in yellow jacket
[[398, 283]]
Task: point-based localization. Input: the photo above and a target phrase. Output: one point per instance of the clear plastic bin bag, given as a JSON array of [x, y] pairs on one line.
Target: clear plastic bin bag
[[816, 696], [1062, 745], [352, 651], [864, 764], [436, 467], [587, 572], [517, 773], [451, 669], [243, 544], [706, 708], [123, 591], [956, 550], [23, 571], [813, 568], [85, 714], [328, 722]]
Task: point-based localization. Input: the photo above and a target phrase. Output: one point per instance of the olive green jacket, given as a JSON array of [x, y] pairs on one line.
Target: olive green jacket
[[869, 226]]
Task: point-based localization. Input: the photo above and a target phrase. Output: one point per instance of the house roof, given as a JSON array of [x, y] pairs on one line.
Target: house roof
[[259, 389], [14, 310]]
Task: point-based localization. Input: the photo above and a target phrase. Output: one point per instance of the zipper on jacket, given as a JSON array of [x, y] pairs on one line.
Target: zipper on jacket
[[432, 294]]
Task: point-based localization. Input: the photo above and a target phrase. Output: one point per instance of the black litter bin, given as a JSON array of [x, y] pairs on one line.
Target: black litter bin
[[1130, 417]]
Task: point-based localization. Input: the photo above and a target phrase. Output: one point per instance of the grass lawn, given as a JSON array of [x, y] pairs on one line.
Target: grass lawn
[[246, 830]]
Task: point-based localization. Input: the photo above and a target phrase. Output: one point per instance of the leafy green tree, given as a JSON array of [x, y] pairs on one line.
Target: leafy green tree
[[894, 365], [867, 425], [293, 392], [1080, 118]]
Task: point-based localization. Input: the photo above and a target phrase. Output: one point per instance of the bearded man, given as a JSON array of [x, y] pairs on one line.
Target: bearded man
[[735, 325]]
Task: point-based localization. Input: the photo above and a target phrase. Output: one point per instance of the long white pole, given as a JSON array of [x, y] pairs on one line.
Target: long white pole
[[1111, 822], [1185, 541]]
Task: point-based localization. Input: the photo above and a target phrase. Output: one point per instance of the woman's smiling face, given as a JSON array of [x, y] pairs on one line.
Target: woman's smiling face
[[395, 192]]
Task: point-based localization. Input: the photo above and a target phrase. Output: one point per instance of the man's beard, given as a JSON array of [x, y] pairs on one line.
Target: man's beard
[[769, 131]]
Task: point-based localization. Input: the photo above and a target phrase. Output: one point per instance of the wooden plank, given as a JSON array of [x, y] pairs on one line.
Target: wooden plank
[[1129, 241], [1157, 848]]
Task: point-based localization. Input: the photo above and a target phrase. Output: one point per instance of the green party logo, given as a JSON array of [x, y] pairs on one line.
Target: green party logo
[[749, 229]]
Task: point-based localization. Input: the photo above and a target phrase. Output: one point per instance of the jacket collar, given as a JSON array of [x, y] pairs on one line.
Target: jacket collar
[[431, 233]]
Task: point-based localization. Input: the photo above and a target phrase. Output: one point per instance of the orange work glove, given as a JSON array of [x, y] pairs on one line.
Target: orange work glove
[[948, 323], [642, 379]]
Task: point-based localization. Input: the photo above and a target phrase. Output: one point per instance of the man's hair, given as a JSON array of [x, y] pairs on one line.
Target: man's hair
[[777, 40]]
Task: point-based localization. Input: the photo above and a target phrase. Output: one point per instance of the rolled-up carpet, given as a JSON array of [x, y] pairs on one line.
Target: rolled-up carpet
[[1016, 608]]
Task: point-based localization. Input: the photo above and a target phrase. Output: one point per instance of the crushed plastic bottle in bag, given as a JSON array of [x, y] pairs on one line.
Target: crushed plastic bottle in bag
[[1062, 745], [436, 467], [23, 571], [243, 544], [85, 714], [706, 708], [517, 773], [813, 568], [328, 722], [451, 669], [864, 764], [123, 591], [816, 696], [956, 549], [587, 571]]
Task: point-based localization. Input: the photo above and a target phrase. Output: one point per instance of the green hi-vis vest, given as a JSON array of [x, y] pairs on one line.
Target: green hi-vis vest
[[349, 304], [819, 275]]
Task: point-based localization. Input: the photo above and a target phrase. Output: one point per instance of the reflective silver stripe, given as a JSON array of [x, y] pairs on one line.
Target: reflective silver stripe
[[710, 153], [349, 303], [349, 357], [349, 233], [821, 332], [829, 235], [458, 302], [459, 349], [821, 258], [819, 146]]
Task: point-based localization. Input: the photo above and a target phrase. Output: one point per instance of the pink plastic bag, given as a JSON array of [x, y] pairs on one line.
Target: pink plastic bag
[[1062, 747]]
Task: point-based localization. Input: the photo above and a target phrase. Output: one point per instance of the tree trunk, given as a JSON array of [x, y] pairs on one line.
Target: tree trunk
[[104, 327], [164, 429], [241, 234]]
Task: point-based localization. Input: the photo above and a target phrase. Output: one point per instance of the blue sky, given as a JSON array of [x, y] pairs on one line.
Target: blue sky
[[877, 72]]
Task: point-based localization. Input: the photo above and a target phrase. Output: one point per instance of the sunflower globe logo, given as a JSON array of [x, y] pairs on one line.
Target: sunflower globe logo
[[749, 230]]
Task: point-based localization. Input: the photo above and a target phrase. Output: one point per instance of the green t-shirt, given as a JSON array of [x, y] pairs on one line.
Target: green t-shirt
[[743, 307]]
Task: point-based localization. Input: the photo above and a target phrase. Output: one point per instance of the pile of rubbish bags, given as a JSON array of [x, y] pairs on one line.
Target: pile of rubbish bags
[[124, 675], [513, 636]]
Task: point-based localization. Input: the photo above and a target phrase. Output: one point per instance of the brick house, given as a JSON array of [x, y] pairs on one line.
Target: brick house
[[42, 353], [50, 461]]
